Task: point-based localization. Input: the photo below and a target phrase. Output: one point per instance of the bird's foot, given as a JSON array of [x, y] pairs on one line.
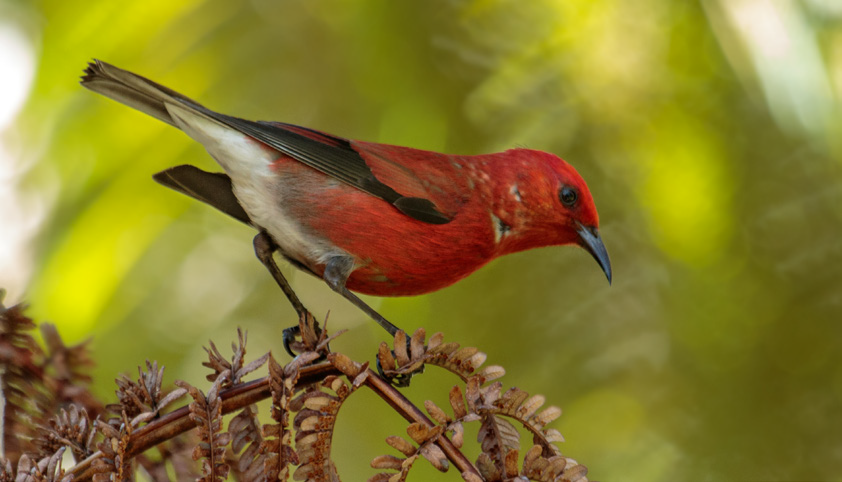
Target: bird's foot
[[399, 365], [399, 380], [312, 337]]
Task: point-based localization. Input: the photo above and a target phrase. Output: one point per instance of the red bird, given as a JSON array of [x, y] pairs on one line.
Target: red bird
[[373, 218]]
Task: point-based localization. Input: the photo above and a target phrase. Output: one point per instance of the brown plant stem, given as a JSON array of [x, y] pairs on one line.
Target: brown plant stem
[[411, 413], [235, 398], [178, 421]]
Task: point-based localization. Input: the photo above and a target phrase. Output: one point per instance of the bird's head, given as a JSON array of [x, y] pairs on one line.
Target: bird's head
[[550, 204]]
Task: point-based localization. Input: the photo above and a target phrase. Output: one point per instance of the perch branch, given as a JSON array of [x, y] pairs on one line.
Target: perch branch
[[177, 421]]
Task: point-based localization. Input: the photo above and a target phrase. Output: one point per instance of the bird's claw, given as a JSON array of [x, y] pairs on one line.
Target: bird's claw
[[311, 337], [289, 335], [399, 380], [402, 375]]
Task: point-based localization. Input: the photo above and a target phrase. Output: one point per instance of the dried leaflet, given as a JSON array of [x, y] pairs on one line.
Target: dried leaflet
[[517, 404], [48, 469], [206, 413], [113, 464], [454, 427], [425, 437], [145, 399], [277, 445], [70, 428], [409, 358], [499, 438], [317, 409], [66, 372], [245, 427], [246, 438], [237, 368], [22, 384], [547, 469]]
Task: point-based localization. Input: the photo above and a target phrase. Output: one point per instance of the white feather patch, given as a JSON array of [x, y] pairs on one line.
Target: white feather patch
[[257, 187]]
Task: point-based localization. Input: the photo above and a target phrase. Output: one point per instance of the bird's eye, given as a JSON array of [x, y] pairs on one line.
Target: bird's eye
[[568, 196]]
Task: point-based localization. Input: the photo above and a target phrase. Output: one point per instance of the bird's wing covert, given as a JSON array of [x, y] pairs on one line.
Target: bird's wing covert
[[335, 157]]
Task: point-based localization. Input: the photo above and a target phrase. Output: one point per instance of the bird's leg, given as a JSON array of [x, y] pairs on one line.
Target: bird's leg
[[337, 270], [264, 248]]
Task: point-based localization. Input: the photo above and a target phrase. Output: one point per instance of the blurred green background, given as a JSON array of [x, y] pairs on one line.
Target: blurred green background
[[709, 132]]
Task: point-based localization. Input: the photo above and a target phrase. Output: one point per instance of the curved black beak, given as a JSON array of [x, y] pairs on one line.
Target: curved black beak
[[590, 240]]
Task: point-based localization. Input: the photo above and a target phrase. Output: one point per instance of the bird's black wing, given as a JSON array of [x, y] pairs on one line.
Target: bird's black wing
[[333, 156]]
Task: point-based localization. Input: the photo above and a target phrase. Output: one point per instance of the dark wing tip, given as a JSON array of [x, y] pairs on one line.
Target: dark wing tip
[[421, 209], [213, 188], [92, 71]]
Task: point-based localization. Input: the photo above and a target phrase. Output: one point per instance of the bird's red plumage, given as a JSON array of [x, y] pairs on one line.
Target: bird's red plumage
[[397, 255]]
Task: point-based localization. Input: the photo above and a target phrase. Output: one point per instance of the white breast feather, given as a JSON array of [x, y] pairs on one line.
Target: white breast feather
[[259, 189]]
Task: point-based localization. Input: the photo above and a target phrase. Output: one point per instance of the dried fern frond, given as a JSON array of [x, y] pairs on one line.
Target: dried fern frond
[[409, 358], [245, 426], [402, 465], [35, 384], [14, 330], [518, 405], [69, 365], [206, 412], [536, 466], [391, 462], [317, 407], [70, 428], [306, 401], [22, 385], [246, 438], [426, 436], [172, 457], [277, 446], [113, 463], [499, 439], [236, 367], [145, 399], [47, 469], [453, 426]]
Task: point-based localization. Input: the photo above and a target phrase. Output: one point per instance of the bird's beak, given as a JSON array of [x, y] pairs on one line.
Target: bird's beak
[[590, 240]]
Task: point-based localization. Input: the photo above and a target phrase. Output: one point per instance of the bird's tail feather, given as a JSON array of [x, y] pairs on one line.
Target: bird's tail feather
[[134, 91], [152, 98]]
